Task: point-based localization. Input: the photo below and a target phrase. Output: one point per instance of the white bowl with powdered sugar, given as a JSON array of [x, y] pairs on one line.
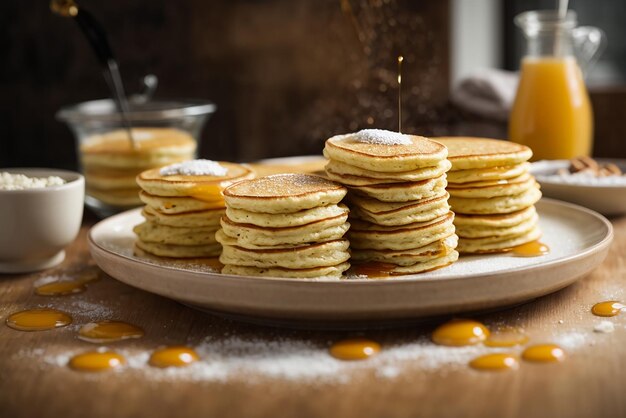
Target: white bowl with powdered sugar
[[606, 195], [41, 211]]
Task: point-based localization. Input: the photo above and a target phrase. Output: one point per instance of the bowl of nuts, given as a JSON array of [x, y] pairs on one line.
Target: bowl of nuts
[[599, 184]]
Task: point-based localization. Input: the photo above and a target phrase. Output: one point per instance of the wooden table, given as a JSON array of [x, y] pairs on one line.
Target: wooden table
[[34, 381]]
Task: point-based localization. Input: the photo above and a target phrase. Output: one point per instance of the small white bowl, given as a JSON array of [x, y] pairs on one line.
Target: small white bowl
[[605, 195], [37, 224]]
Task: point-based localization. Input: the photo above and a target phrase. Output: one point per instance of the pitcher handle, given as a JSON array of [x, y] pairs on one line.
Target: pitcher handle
[[589, 43]]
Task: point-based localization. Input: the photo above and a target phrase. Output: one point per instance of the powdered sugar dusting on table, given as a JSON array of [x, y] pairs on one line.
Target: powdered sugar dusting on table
[[195, 168], [381, 137], [251, 359]]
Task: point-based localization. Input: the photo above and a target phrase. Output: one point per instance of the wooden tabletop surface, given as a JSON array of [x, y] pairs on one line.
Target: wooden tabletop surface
[[35, 381]]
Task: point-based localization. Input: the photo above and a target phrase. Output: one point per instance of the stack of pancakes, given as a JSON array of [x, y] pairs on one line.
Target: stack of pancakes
[[399, 206], [492, 194], [183, 211], [111, 163], [285, 225]]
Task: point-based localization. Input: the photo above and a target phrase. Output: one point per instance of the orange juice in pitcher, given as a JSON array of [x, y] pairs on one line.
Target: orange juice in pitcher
[[551, 113]]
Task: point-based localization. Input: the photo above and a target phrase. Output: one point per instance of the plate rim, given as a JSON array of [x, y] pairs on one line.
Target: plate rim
[[395, 280]]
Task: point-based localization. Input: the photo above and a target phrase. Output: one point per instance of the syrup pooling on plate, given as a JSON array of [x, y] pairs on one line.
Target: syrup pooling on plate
[[109, 331], [459, 332], [544, 353], [354, 349], [177, 356], [506, 337], [67, 285], [96, 361], [374, 270], [38, 319], [608, 308], [530, 249], [496, 361]]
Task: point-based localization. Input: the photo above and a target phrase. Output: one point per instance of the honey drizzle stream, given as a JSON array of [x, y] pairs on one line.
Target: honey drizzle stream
[[400, 59]]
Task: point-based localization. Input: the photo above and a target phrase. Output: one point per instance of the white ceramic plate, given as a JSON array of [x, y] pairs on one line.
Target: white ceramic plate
[[607, 196], [578, 238]]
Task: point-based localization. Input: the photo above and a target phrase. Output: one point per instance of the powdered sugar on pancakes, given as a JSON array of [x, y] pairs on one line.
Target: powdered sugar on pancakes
[[195, 168], [381, 137]]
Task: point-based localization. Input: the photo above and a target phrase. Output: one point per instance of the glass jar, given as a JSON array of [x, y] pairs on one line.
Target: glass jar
[[552, 113], [163, 132]]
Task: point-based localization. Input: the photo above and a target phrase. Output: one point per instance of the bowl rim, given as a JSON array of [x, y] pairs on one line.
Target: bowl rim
[[72, 179], [77, 112]]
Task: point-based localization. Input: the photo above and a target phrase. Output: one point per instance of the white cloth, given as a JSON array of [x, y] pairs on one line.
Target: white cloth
[[488, 93]]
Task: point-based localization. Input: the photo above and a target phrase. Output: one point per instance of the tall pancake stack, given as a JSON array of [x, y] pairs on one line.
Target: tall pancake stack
[[285, 225], [492, 194], [399, 206], [184, 204]]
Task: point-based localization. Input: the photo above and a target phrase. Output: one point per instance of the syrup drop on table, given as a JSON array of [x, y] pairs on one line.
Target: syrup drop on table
[[68, 287], [354, 349], [497, 361], [608, 308], [108, 331], [530, 249], [374, 269], [95, 361], [459, 332], [544, 353], [178, 356], [506, 337], [38, 319], [61, 288]]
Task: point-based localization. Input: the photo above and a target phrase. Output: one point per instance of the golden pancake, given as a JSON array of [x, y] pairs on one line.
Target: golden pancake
[[224, 239], [284, 193], [496, 244], [324, 254], [325, 230], [186, 220], [346, 174], [495, 221], [310, 273], [487, 174], [494, 205], [364, 235], [152, 147], [178, 204], [493, 188], [404, 192], [483, 231], [201, 187], [396, 214], [179, 251], [429, 265], [469, 153], [152, 232], [281, 220], [409, 256], [420, 153]]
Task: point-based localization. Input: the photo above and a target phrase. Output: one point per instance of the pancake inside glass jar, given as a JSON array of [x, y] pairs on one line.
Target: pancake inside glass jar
[[163, 133]]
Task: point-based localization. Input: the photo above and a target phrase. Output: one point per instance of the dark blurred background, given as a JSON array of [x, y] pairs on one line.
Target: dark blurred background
[[285, 74]]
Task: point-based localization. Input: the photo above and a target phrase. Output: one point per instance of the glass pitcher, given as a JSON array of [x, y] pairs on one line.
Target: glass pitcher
[[551, 113]]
